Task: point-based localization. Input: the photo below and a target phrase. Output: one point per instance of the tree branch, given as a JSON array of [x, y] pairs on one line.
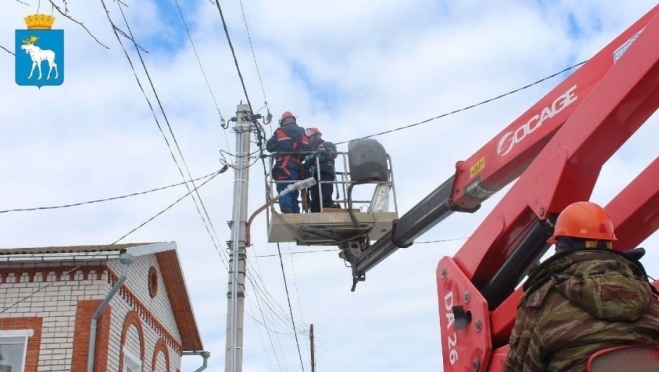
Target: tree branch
[[7, 50], [24, 3], [65, 14]]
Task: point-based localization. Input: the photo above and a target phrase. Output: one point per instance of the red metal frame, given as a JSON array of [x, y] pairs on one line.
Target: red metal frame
[[571, 148], [635, 211]]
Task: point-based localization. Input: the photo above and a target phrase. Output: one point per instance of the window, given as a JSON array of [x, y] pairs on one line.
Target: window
[[153, 282], [13, 348], [131, 362]]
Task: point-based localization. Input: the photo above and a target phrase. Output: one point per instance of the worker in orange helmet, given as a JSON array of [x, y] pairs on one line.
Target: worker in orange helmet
[[288, 140], [321, 167], [585, 298]]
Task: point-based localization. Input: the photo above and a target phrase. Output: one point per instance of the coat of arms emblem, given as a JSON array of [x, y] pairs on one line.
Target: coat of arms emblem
[[36, 45]]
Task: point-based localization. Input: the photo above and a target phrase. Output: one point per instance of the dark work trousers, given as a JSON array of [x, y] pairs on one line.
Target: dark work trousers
[[327, 189], [288, 203]]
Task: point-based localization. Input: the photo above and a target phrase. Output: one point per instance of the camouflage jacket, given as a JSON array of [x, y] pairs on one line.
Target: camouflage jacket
[[577, 303]]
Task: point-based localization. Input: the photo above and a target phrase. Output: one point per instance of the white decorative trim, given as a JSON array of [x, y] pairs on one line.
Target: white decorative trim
[[141, 250], [17, 333]]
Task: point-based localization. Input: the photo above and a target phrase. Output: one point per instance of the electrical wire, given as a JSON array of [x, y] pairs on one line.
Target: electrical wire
[[224, 261], [260, 133], [442, 240], [249, 277], [146, 71], [224, 160], [258, 72], [233, 52], [274, 349], [465, 108], [290, 308], [190, 192], [213, 235], [267, 355], [338, 250], [258, 127], [275, 343], [259, 296], [301, 252], [203, 72], [270, 302], [115, 29], [194, 49], [269, 333], [41, 288], [101, 200], [297, 293]]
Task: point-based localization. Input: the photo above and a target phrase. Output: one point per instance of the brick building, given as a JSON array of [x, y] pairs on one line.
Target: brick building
[[127, 303]]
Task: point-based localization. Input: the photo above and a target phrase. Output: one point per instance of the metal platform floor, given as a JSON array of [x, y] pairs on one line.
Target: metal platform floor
[[330, 227]]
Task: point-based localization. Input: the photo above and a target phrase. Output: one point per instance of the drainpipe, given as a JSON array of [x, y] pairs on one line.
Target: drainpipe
[[125, 259], [204, 354]]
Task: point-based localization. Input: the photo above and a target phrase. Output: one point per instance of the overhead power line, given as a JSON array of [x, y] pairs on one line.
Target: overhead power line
[[171, 131], [108, 199], [297, 291], [233, 53], [465, 108], [137, 48], [258, 72], [260, 134], [290, 308], [194, 49], [338, 250], [257, 128], [41, 288], [213, 235], [201, 67]]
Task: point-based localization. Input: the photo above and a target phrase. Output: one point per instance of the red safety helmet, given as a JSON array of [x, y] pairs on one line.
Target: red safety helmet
[[584, 220], [311, 131], [287, 114]]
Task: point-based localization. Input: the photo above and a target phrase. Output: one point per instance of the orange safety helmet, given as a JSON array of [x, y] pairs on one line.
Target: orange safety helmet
[[311, 131], [583, 220]]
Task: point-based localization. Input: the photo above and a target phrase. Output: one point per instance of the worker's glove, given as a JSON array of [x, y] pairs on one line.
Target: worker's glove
[[308, 161], [322, 149]]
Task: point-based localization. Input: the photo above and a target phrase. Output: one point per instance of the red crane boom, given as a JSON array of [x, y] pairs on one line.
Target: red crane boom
[[474, 285], [557, 149], [505, 157]]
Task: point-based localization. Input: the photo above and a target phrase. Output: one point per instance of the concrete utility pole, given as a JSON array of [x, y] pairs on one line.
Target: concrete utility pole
[[237, 268], [313, 349]]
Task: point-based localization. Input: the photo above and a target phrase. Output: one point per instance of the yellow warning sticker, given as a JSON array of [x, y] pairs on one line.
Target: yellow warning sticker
[[477, 168]]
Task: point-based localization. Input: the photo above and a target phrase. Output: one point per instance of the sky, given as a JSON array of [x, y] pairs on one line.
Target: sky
[[349, 68]]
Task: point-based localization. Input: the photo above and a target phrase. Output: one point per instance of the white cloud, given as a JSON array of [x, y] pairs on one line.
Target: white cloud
[[383, 64]]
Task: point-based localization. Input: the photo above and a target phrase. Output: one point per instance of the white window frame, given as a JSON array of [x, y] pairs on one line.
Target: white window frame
[[26, 334], [131, 360]]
